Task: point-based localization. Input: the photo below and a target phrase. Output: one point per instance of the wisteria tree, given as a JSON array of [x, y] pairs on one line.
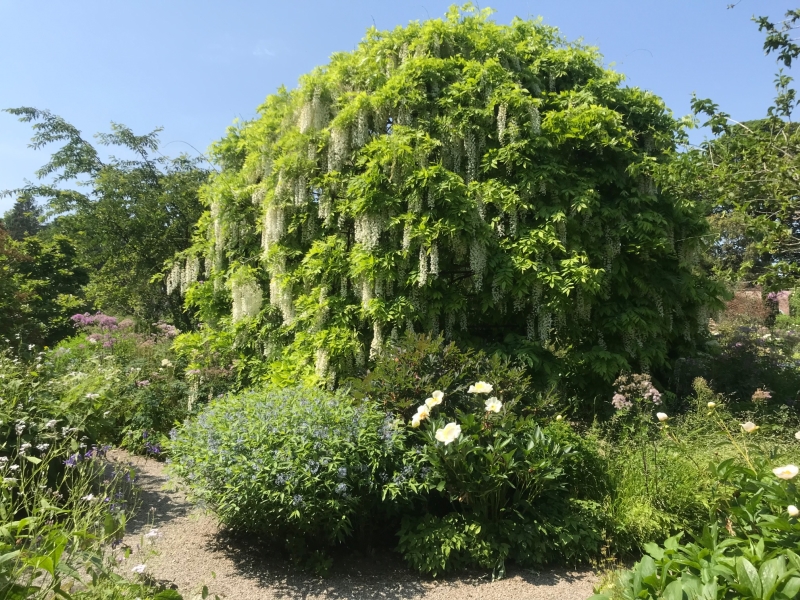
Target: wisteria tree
[[490, 183]]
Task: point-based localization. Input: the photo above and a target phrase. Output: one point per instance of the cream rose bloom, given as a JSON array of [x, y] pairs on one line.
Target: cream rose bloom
[[493, 405], [711, 404], [435, 399], [749, 427], [480, 388], [448, 433], [662, 416], [786, 472], [797, 435], [792, 510]]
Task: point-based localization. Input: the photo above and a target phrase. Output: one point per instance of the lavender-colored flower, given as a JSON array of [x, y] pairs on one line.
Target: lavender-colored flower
[[341, 488], [620, 402], [297, 499], [342, 472]]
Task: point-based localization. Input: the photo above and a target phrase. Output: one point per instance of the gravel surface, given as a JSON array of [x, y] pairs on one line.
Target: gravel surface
[[192, 550]]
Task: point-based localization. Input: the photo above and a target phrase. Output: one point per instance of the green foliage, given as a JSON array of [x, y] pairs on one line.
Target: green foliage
[[490, 182], [747, 178], [408, 369], [298, 465], [500, 489], [23, 220], [40, 289], [754, 560], [138, 213]]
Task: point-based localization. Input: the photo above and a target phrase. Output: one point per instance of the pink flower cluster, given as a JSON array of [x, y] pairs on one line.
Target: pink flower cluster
[[632, 387], [99, 319]]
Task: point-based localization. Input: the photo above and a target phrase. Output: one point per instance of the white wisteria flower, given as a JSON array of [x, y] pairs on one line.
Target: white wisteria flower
[[749, 427], [448, 433], [493, 405], [786, 472], [662, 416], [435, 399], [792, 510], [480, 388], [139, 569]]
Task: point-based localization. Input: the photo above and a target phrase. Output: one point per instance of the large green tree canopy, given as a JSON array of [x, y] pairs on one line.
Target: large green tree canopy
[[489, 182]]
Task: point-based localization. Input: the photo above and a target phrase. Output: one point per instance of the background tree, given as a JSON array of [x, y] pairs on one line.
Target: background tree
[[138, 213], [23, 219], [40, 288], [748, 177], [492, 183]]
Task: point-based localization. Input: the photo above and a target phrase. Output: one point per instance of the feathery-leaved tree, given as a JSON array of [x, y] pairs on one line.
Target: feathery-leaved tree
[[489, 182]]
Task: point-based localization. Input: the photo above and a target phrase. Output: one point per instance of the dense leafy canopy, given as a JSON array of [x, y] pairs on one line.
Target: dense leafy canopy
[[137, 214], [748, 178], [490, 182]]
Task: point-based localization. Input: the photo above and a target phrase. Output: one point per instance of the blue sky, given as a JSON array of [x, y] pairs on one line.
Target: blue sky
[[192, 67]]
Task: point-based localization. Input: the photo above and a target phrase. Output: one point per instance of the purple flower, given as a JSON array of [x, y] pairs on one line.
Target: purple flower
[[620, 402]]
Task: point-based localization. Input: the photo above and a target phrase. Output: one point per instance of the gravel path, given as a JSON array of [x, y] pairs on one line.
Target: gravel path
[[192, 551]]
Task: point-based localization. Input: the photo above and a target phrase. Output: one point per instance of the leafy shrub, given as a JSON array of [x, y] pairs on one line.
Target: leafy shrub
[[406, 370], [746, 553], [492, 488], [298, 465]]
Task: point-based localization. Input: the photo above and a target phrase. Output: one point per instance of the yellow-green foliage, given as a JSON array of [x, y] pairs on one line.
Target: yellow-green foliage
[[491, 182]]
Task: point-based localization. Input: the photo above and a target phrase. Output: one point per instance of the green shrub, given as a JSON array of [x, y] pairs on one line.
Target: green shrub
[[747, 548], [297, 465], [407, 369], [495, 488]]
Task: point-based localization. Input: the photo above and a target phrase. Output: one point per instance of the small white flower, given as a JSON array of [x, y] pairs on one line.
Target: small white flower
[[153, 533], [14, 467], [792, 510], [415, 421], [449, 433], [9, 480], [786, 472], [92, 396], [711, 404], [139, 569], [435, 399], [88, 497], [749, 427], [559, 418], [493, 405], [662, 416], [480, 388], [42, 447], [166, 363], [797, 435], [51, 423]]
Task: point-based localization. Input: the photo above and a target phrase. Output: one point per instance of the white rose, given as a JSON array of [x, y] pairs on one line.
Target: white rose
[[493, 405], [786, 472], [480, 388], [448, 433], [792, 510], [662, 416]]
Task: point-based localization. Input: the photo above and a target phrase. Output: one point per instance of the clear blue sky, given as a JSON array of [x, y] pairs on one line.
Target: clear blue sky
[[193, 66]]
